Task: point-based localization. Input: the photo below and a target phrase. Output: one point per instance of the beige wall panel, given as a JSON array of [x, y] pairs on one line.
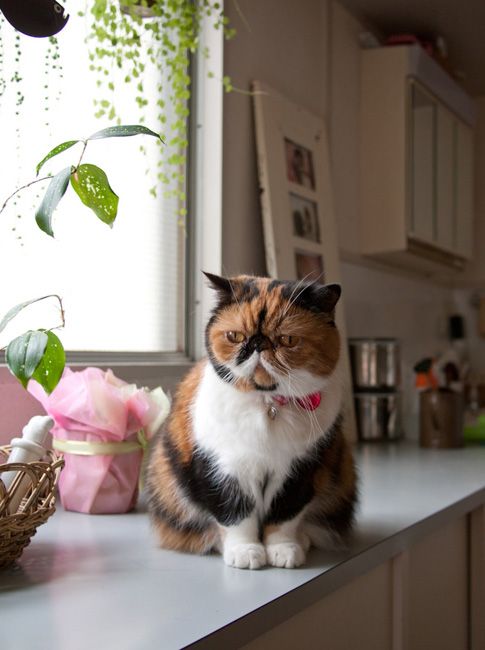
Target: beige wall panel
[[356, 617], [286, 48], [344, 123]]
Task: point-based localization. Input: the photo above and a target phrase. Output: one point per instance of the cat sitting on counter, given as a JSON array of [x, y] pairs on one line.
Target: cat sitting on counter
[[253, 462]]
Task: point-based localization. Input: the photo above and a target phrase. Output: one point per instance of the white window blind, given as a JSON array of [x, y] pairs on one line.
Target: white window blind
[[122, 288]]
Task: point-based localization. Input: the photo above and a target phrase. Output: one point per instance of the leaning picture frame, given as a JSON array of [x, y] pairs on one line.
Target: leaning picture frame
[[297, 206]]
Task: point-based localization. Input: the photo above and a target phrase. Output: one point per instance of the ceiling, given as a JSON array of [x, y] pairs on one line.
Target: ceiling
[[460, 22]]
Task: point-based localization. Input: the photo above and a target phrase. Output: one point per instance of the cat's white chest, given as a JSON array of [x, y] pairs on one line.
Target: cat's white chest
[[238, 431]]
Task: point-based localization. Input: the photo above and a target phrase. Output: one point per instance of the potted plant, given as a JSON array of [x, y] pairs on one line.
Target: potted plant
[[39, 354]]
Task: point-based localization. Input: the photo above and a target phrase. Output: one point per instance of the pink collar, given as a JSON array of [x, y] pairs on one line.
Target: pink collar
[[309, 402]]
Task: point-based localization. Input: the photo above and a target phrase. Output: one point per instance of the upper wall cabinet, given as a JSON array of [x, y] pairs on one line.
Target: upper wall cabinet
[[416, 160]]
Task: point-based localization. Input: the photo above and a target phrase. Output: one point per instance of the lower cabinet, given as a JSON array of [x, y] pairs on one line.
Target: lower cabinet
[[357, 616], [429, 597], [438, 590]]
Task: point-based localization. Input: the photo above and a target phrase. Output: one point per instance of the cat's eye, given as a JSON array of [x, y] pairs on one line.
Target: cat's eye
[[288, 341], [235, 337]]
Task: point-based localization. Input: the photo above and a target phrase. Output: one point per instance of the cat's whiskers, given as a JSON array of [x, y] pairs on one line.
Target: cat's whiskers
[[295, 387], [315, 427]]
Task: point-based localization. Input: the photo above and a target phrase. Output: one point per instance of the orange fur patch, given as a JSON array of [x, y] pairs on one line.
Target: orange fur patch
[[331, 493], [193, 541], [180, 423]]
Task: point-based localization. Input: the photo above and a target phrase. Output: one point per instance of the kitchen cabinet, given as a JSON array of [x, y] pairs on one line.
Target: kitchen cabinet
[[358, 615], [438, 590], [422, 599], [416, 161]]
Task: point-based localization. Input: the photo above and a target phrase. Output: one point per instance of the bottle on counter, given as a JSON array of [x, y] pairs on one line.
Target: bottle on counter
[[29, 448]]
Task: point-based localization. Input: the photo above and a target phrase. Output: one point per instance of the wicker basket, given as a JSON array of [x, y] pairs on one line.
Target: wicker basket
[[35, 508]]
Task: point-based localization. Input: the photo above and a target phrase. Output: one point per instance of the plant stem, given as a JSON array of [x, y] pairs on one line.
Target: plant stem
[[61, 308], [37, 180], [81, 156]]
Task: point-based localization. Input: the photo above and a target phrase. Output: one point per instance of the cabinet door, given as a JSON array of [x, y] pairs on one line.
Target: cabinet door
[[445, 168], [438, 590], [422, 165], [464, 190], [358, 615]]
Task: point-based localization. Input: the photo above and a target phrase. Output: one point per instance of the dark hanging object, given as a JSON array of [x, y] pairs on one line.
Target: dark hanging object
[[38, 18], [456, 327]]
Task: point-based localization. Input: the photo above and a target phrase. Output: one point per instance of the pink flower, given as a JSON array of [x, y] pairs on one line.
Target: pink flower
[[97, 402], [98, 418]]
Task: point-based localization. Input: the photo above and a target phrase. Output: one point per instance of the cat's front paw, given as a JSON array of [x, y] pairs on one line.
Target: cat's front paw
[[245, 556], [287, 555]]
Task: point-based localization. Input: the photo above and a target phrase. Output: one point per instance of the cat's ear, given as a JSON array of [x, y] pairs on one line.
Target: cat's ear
[[326, 296], [221, 285]]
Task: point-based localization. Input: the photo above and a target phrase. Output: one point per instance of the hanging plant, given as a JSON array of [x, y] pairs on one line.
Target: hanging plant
[[14, 88], [163, 33]]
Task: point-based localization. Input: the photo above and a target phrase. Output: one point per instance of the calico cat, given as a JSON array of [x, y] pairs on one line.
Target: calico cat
[[253, 462]]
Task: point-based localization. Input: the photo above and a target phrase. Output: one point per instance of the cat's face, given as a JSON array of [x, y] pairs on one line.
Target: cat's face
[[273, 336]]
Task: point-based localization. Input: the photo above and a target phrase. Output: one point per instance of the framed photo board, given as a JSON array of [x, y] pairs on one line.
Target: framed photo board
[[297, 205]]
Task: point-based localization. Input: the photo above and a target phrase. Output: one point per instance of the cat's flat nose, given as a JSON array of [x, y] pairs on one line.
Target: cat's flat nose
[[260, 343]]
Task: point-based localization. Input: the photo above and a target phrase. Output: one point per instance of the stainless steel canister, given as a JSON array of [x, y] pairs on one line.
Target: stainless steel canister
[[378, 415], [375, 364]]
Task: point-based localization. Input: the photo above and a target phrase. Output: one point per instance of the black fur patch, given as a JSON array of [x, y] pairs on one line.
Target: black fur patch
[[159, 512], [265, 388], [231, 293], [247, 291], [274, 284], [222, 370], [297, 491], [257, 343], [340, 518], [261, 316], [221, 496], [313, 297]]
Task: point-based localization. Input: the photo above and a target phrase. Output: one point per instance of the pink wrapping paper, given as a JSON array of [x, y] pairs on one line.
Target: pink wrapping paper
[[95, 406]]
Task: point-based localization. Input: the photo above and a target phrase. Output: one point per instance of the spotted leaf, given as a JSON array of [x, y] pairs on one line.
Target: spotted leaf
[[92, 186]]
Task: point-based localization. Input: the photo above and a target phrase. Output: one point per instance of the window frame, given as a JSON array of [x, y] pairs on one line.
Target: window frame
[[204, 230]]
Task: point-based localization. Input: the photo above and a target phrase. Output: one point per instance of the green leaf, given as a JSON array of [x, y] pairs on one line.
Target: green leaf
[[92, 186], [56, 190], [24, 354], [18, 308], [51, 366], [123, 131], [59, 149]]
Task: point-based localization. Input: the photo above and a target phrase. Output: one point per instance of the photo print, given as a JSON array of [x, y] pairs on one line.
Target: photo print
[[309, 266], [304, 214], [299, 165]]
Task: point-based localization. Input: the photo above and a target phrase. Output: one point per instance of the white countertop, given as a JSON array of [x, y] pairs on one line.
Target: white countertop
[[92, 581]]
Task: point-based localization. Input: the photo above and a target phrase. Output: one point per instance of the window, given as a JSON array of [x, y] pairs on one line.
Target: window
[[122, 288]]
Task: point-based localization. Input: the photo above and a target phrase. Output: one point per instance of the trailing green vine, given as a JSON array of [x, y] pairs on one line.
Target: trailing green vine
[[162, 33]]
